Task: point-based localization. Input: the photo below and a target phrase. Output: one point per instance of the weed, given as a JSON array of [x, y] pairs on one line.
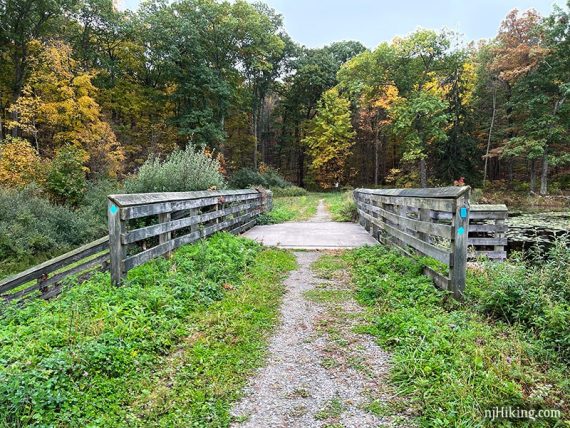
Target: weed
[[452, 362], [333, 409], [172, 346]]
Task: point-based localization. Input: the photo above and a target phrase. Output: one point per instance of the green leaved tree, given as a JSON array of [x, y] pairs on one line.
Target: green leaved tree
[[329, 139]]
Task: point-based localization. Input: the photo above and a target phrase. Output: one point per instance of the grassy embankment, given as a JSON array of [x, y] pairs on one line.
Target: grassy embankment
[[172, 347], [508, 344]]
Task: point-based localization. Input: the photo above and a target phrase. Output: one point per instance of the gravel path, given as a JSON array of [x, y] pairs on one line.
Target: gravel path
[[322, 214], [319, 372]]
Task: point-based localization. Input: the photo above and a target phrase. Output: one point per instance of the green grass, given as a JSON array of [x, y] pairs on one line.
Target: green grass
[[173, 346], [302, 208], [292, 208], [341, 206], [449, 359]]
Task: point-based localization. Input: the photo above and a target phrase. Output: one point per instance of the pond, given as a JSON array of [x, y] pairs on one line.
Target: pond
[[529, 227]]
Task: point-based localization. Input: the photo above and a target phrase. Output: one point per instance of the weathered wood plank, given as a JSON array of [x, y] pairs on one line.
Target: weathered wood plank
[[489, 227], [437, 229], [117, 250], [459, 240], [422, 203], [489, 215], [440, 281], [158, 250], [58, 277], [157, 229], [54, 264], [489, 207], [412, 241], [243, 227], [488, 241], [166, 236], [139, 211], [133, 199], [489, 254], [434, 192]]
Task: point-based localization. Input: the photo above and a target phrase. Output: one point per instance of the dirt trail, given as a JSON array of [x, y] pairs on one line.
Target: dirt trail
[[322, 214], [319, 372]]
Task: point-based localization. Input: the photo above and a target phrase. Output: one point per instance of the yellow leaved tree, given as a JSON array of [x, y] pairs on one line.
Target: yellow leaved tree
[[58, 108], [20, 164]]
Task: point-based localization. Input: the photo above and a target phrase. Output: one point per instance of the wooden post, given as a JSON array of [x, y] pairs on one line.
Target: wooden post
[[165, 237], [375, 230], [460, 223], [424, 215], [499, 225], [116, 249]]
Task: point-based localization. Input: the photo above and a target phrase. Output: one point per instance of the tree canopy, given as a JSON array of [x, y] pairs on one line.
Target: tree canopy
[[424, 109]]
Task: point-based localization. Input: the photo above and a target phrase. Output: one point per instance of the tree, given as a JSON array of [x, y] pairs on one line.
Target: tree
[[57, 107], [20, 164], [420, 120], [329, 139]]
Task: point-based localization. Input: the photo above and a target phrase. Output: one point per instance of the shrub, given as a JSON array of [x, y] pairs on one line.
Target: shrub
[[343, 207], [181, 171], [32, 228], [534, 294], [20, 164], [267, 177], [288, 191], [66, 177]]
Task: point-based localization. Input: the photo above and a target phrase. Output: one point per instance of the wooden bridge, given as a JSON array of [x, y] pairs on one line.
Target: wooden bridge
[[438, 223]]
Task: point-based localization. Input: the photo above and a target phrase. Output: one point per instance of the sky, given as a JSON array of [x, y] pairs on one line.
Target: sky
[[315, 23]]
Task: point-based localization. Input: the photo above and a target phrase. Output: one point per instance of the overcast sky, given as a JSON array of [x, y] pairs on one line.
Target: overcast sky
[[316, 23]]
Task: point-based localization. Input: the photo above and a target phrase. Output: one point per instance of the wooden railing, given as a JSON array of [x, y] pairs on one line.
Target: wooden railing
[[45, 280], [182, 218], [487, 231], [174, 219], [432, 222]]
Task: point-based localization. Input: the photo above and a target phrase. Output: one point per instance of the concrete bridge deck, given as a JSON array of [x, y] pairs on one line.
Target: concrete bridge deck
[[318, 233]]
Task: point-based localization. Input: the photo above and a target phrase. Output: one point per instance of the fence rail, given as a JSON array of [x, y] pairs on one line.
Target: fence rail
[[435, 222], [174, 219], [45, 280], [161, 221], [405, 218], [487, 231]]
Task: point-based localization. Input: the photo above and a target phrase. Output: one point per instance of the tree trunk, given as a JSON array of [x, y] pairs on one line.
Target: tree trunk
[[423, 173], [376, 159], [532, 176], [254, 132], [490, 134], [544, 175]]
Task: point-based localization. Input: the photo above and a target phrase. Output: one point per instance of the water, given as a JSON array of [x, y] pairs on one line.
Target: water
[[530, 227]]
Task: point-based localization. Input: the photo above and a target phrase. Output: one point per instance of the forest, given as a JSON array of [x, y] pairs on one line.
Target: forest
[[88, 92]]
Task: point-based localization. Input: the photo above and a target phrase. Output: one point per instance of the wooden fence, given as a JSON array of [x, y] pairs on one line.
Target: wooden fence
[[404, 218], [148, 225], [182, 218], [45, 280], [439, 223], [487, 231]]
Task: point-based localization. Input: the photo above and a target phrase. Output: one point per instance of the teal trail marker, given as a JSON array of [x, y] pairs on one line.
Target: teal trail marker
[[460, 231], [113, 209]]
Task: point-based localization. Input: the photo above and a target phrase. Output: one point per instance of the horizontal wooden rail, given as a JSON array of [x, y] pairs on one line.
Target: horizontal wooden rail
[[438, 223], [488, 232], [432, 222], [149, 225], [193, 215], [45, 279]]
